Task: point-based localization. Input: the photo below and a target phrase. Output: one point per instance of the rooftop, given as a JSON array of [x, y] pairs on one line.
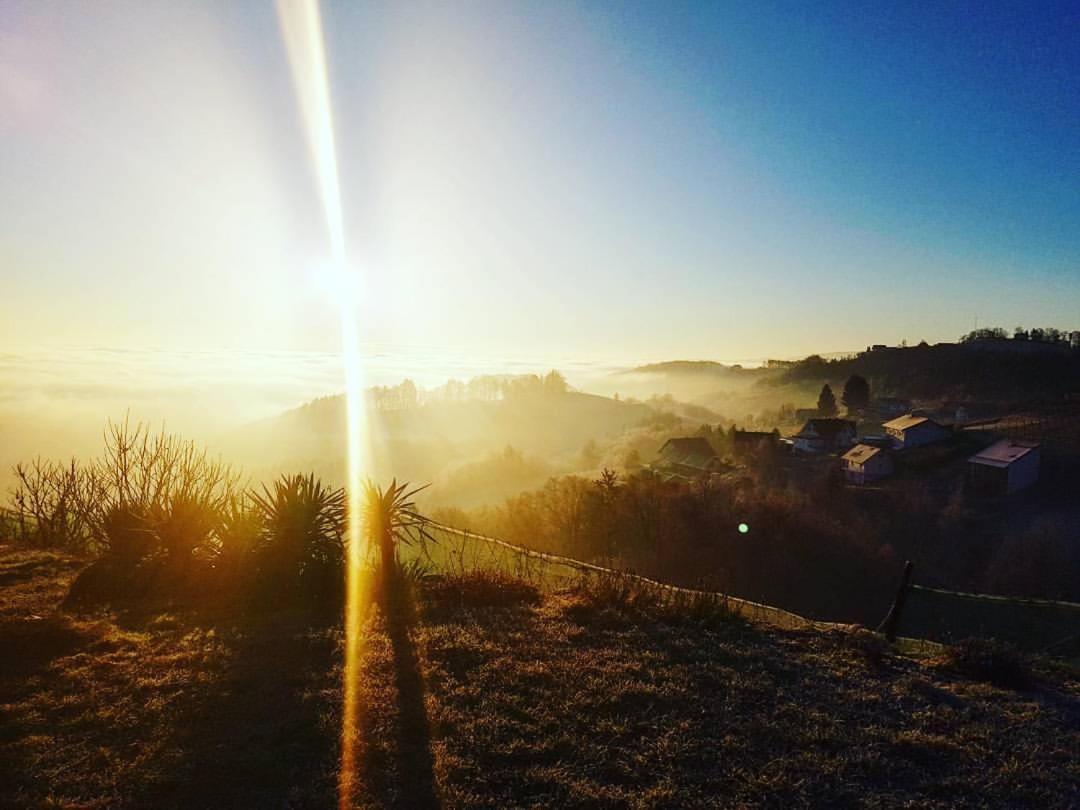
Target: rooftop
[[825, 427], [905, 422], [861, 453], [689, 451], [1003, 453]]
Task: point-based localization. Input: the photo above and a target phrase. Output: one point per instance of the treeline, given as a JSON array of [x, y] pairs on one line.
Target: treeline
[[485, 388], [946, 371], [1046, 334]]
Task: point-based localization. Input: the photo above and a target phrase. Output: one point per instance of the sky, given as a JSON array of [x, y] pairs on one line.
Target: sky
[[596, 181]]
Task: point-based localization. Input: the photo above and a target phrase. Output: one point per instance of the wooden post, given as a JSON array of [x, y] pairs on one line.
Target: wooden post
[[888, 626]]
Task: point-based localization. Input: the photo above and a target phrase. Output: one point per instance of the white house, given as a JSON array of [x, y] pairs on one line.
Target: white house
[[1004, 467], [914, 431], [825, 436], [865, 463]]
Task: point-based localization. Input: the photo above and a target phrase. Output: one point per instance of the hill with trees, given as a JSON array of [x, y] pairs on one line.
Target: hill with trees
[[986, 367], [475, 442]]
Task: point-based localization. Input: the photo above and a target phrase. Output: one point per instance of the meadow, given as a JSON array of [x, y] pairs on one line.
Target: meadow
[[478, 690]]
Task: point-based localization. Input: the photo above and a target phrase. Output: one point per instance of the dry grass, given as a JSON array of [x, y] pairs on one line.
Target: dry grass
[[487, 694]]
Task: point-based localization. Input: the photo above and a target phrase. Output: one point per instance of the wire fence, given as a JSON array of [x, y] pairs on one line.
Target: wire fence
[[460, 549], [930, 616], [1036, 625]]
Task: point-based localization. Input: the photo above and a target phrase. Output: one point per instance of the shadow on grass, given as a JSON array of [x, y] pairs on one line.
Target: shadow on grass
[[262, 732], [410, 780]]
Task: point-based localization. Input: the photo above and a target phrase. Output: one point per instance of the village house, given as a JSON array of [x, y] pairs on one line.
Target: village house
[[1003, 468], [748, 442], [865, 463], [914, 431], [825, 435], [687, 457]]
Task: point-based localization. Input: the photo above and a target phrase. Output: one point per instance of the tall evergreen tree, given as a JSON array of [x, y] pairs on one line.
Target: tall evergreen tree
[[826, 401], [856, 396]]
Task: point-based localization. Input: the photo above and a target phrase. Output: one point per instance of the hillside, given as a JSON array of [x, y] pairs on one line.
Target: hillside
[[429, 442], [1001, 371], [493, 695], [699, 381]]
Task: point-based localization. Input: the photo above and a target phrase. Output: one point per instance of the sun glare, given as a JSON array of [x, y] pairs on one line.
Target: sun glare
[[301, 28]]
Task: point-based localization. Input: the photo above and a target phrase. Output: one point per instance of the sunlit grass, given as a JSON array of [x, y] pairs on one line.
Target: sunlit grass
[[582, 698]]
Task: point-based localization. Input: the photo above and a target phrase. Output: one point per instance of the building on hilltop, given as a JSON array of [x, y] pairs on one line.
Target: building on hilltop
[[866, 463], [914, 431], [825, 435], [1005, 467]]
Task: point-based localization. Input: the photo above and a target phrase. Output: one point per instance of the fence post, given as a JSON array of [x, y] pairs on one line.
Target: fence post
[[888, 626]]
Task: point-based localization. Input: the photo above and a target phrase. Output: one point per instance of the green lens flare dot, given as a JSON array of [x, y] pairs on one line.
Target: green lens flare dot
[[743, 528]]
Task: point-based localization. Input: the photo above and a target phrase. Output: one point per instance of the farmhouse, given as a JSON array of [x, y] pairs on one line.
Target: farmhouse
[[914, 431], [825, 436], [688, 457], [1003, 468], [865, 463]]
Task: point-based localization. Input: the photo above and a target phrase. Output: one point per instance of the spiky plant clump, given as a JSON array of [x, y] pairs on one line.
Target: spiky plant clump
[[390, 518], [301, 547], [241, 525]]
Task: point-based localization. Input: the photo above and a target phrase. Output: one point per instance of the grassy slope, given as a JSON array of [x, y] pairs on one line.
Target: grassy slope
[[496, 698]]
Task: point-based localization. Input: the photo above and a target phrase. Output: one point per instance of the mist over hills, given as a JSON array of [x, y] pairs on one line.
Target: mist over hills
[[1006, 371], [493, 436], [473, 450]]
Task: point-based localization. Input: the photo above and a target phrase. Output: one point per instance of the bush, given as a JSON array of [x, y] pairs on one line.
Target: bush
[[991, 661]]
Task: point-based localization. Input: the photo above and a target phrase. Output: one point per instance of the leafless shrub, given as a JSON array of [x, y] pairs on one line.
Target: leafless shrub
[[148, 493]]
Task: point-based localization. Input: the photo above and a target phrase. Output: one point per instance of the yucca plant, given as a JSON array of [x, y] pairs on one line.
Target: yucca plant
[[241, 526], [302, 541], [390, 518], [183, 525]]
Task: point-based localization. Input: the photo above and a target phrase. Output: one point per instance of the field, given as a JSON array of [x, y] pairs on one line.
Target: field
[[487, 693]]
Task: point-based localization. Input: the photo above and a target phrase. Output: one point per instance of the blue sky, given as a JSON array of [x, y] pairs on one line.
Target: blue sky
[[632, 180]]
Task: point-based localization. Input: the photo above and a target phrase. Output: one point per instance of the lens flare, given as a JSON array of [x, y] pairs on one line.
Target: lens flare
[[743, 528], [301, 29]]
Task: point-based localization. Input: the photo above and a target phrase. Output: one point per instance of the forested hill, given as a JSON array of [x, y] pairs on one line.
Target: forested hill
[[1006, 371], [699, 368], [996, 370]]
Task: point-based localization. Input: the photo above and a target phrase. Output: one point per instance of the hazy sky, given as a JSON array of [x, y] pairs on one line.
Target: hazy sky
[[597, 180]]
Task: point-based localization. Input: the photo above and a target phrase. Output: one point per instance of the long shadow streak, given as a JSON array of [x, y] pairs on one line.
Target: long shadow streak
[[416, 763]]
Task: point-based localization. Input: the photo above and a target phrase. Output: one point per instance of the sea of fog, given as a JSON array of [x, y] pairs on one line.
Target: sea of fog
[[55, 402]]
